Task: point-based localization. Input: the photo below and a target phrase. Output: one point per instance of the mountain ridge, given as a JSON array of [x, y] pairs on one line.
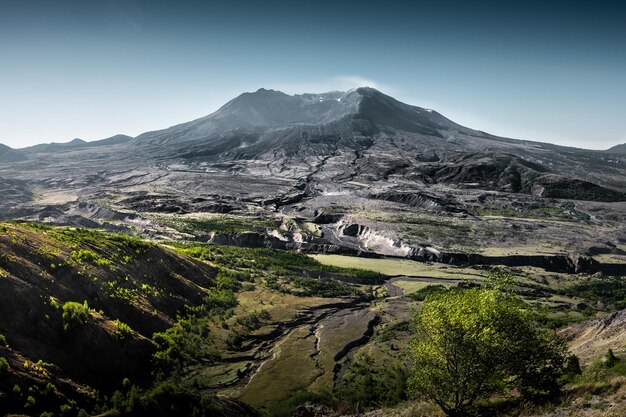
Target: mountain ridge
[[76, 144], [621, 149], [8, 154]]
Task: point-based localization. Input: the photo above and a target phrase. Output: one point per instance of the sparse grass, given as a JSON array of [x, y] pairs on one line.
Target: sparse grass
[[530, 249], [422, 293], [293, 370], [395, 267], [411, 287], [610, 258]]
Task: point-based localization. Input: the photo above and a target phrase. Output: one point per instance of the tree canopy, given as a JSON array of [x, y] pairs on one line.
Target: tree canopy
[[474, 343]]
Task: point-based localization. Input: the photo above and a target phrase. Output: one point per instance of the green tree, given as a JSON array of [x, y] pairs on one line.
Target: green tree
[[474, 343], [4, 366], [75, 314], [610, 360]]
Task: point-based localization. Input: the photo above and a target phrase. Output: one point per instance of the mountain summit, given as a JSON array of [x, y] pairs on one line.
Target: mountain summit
[[269, 109]]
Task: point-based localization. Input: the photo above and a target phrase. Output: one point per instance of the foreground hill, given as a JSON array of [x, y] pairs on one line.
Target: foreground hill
[[78, 310], [115, 324]]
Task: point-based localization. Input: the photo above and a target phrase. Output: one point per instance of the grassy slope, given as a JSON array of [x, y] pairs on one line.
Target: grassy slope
[[123, 281]]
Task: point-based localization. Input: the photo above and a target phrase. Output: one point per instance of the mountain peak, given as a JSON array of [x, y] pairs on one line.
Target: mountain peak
[[267, 91], [365, 90]]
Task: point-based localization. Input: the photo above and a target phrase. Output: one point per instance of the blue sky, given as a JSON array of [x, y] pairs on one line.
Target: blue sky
[[551, 72]]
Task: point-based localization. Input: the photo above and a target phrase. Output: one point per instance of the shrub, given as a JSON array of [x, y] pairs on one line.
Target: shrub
[[86, 256], [122, 329], [234, 341], [252, 321], [610, 360], [364, 385], [30, 402], [75, 314], [4, 366], [572, 367]]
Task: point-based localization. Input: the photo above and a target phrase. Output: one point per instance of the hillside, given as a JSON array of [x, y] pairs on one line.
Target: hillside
[[76, 144], [10, 155], [619, 149], [79, 309]]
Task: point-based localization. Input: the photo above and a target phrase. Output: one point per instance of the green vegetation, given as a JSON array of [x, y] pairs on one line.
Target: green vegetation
[[604, 376], [4, 365], [75, 314], [79, 257], [283, 271], [530, 213], [215, 344], [39, 368], [396, 266], [423, 293], [188, 342], [78, 237], [222, 224], [273, 260], [165, 399], [606, 290], [122, 330], [474, 343], [367, 386], [253, 321]]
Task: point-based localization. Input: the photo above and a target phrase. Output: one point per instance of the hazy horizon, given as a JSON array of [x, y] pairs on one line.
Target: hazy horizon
[[90, 71]]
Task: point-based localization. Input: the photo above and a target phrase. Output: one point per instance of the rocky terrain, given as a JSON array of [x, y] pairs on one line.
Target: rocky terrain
[[356, 172]]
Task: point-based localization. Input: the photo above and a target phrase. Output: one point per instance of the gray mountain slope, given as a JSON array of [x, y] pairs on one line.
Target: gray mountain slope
[[76, 144], [8, 154], [361, 136], [266, 110], [620, 149]]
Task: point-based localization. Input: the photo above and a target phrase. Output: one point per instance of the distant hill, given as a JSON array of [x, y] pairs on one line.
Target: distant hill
[[10, 155], [618, 149], [76, 144]]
